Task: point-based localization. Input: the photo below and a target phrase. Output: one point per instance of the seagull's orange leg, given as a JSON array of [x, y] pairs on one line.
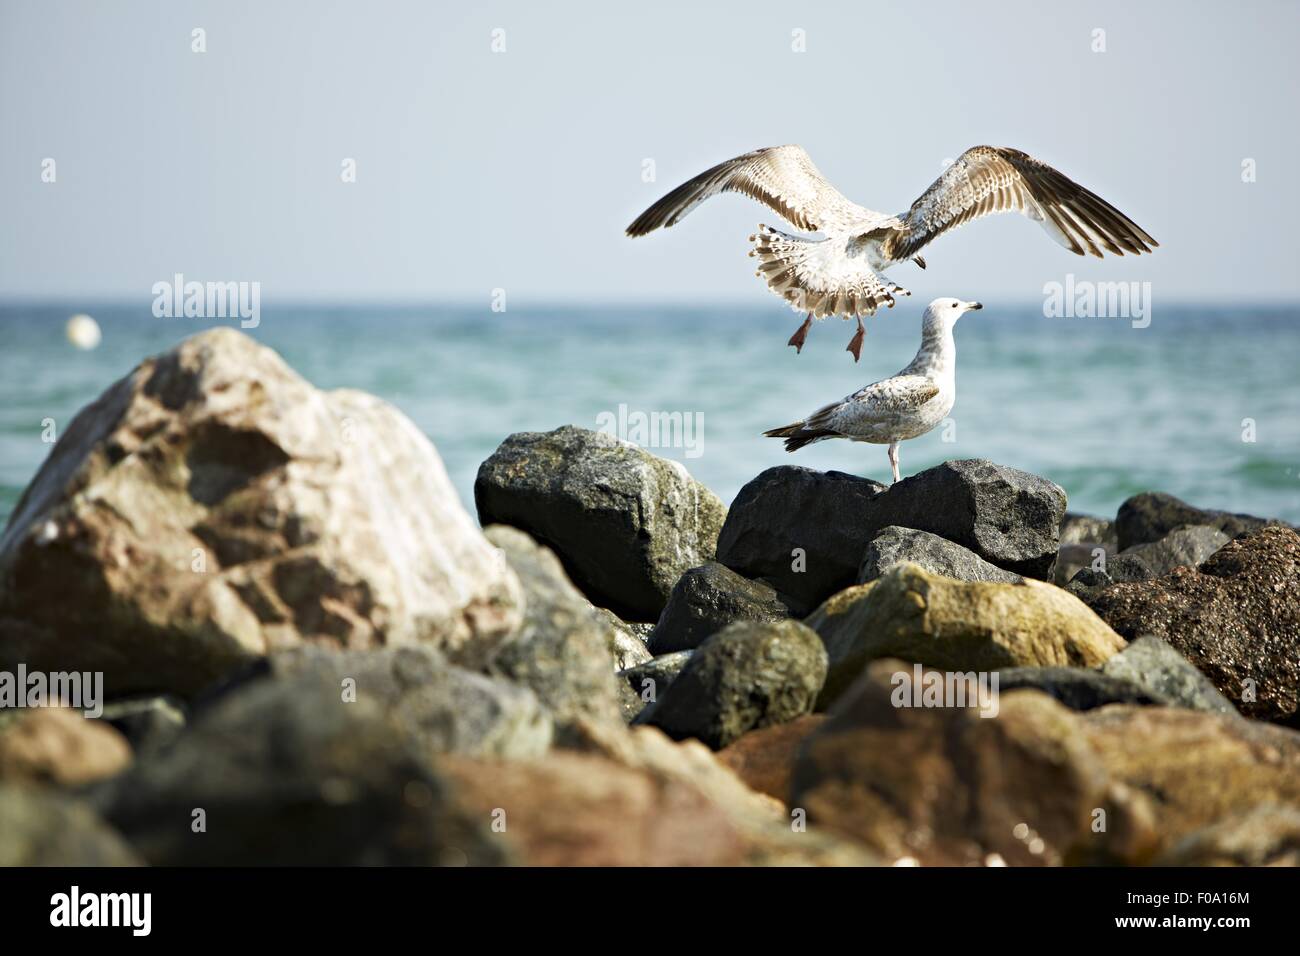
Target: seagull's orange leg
[[855, 344], [801, 335]]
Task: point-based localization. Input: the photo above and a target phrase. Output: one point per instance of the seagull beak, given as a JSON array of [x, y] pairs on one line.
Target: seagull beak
[[974, 306]]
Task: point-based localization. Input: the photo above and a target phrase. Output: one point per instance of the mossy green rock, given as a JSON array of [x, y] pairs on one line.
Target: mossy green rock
[[956, 625]]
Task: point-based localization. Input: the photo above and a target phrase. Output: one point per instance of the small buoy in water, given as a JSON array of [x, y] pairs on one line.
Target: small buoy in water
[[83, 332]]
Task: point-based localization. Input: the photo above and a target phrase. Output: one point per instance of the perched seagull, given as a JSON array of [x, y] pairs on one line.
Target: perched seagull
[[840, 274], [904, 406]]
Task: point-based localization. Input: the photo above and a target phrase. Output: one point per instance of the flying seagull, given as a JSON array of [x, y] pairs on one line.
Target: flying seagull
[[841, 273], [903, 406]]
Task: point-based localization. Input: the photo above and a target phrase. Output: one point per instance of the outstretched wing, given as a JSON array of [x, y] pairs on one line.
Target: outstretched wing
[[783, 178], [989, 179]]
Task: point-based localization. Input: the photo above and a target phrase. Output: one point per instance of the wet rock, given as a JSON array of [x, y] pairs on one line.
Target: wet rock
[[1153, 665], [1236, 618], [929, 551], [274, 774], [59, 746], [705, 600], [765, 758], [1184, 547], [800, 530], [1078, 688], [1152, 515], [748, 675], [946, 786], [213, 505], [956, 625], [563, 650], [40, 827], [625, 523]]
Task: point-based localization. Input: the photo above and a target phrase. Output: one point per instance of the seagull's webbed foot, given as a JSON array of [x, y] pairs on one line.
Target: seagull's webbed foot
[[801, 335], [855, 344]]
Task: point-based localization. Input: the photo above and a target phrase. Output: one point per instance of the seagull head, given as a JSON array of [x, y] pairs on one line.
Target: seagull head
[[944, 313]]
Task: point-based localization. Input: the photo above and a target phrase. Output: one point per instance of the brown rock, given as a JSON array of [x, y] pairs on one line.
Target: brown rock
[[764, 758], [1236, 617], [60, 746], [946, 786], [213, 505]]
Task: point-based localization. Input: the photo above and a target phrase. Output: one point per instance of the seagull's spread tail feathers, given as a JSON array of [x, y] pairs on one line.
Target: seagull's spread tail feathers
[[798, 435], [822, 276]]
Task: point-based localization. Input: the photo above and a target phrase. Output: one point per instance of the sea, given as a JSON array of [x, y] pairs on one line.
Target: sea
[[1203, 402]]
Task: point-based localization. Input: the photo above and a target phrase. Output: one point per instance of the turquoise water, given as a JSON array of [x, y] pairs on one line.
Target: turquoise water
[[1100, 407]]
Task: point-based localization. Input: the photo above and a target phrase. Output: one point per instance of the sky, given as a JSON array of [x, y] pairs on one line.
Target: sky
[[505, 145]]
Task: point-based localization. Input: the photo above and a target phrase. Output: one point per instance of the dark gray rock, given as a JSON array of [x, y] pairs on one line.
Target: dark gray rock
[[1079, 688], [705, 600], [1184, 547], [641, 685], [1156, 667], [799, 530], [40, 827], [1081, 537], [1120, 568], [563, 650], [748, 675], [286, 773], [625, 523], [935, 554], [1153, 514]]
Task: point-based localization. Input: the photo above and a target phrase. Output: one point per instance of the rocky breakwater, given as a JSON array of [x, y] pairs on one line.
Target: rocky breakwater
[[304, 635]]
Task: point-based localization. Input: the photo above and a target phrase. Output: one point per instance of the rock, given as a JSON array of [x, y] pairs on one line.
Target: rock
[[956, 625], [439, 707], [279, 773], [1120, 568], [148, 721], [748, 675], [59, 746], [1152, 515], [946, 786], [628, 643], [1153, 665], [705, 600], [40, 827], [625, 523], [1196, 768], [1009, 518], [1262, 836], [1078, 688], [929, 551], [1081, 537], [1087, 529], [1236, 618], [799, 530], [647, 681], [213, 505], [591, 809], [564, 649], [764, 758], [1184, 547]]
